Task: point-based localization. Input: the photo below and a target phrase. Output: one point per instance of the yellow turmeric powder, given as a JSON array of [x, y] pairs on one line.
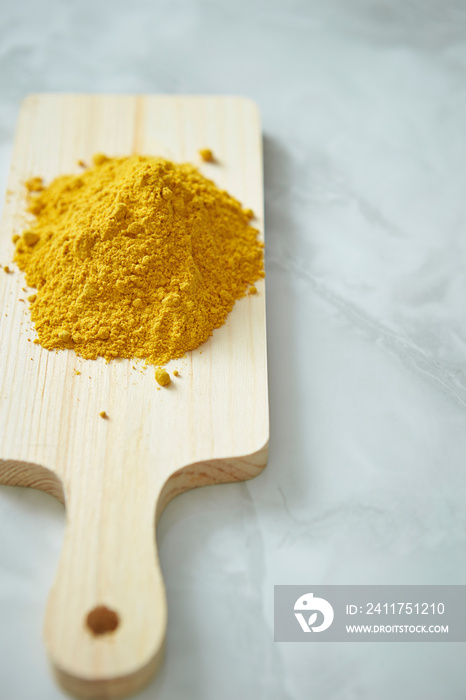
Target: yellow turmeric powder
[[135, 257]]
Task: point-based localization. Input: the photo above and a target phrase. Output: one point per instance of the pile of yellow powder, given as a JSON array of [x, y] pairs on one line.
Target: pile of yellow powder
[[136, 257]]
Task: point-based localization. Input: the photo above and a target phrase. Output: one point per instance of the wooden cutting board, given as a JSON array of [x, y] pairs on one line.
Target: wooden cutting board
[[116, 476]]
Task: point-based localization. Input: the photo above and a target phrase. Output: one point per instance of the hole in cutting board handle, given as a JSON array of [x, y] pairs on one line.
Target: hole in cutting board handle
[[102, 620]]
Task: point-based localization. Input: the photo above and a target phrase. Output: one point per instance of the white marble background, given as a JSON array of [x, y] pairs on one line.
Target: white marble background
[[364, 113]]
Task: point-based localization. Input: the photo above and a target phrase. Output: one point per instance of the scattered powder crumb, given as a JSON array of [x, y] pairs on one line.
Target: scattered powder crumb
[[206, 155], [162, 376], [82, 163], [36, 341], [21, 300], [32, 298], [6, 269], [252, 290], [103, 414], [176, 373], [77, 373]]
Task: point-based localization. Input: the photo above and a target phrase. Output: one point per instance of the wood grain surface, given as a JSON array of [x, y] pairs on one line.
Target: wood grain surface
[[115, 476]]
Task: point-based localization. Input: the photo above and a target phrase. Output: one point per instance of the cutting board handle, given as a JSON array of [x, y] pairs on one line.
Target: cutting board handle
[[106, 615]]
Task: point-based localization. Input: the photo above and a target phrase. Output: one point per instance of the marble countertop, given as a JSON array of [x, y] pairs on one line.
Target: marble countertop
[[363, 105]]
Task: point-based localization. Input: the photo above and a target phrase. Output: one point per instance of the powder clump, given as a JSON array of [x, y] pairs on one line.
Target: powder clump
[[162, 376], [34, 184], [136, 257]]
